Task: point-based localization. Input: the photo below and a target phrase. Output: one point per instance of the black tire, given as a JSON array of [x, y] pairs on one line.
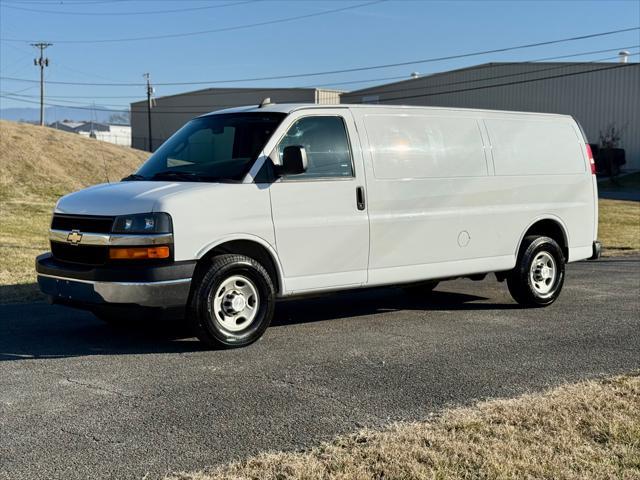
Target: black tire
[[206, 322], [525, 290], [421, 289]]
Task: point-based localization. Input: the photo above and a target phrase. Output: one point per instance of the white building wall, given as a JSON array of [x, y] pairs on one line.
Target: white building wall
[[117, 134]]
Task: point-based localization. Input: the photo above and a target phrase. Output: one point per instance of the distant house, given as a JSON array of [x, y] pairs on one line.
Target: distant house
[[106, 132], [66, 125]]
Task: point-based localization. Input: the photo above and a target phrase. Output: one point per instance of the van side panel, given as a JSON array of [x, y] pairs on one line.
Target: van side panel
[[535, 147], [429, 208], [418, 146], [542, 171], [452, 192]]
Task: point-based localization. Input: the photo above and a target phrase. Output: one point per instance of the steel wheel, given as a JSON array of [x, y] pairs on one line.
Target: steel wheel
[[542, 273], [537, 278], [235, 304]]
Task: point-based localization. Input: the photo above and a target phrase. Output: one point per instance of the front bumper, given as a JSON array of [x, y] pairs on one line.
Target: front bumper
[[163, 286]]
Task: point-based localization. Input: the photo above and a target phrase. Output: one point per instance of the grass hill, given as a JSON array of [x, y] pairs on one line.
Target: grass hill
[[39, 165]]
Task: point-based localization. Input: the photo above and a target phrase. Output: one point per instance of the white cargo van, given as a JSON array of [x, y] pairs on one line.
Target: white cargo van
[[243, 206]]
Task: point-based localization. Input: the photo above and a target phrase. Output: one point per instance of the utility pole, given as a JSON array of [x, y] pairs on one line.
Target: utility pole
[[149, 95], [41, 62]]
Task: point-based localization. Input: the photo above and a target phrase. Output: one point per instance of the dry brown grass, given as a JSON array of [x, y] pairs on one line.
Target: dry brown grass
[[43, 164], [586, 431], [38, 166], [619, 227]]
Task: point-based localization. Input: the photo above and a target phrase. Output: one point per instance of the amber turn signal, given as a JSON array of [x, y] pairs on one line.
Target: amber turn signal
[[138, 253]]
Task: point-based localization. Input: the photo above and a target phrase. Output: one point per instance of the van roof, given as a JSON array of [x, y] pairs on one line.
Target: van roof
[[292, 107]]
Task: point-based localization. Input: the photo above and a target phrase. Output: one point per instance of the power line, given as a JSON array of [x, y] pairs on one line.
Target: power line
[[86, 74], [483, 79], [215, 30], [150, 12], [516, 82], [422, 87], [70, 2], [16, 93], [199, 112], [62, 65], [592, 52], [404, 89], [351, 82], [351, 70]]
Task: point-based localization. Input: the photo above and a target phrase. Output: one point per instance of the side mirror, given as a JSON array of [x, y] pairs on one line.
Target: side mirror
[[294, 161]]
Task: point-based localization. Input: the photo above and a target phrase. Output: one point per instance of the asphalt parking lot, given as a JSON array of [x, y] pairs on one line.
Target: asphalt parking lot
[[79, 399]]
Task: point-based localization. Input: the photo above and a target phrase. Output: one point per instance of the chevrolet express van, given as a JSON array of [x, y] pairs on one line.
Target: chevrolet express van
[[244, 206]]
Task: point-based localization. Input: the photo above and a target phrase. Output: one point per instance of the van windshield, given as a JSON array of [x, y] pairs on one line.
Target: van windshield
[[213, 148]]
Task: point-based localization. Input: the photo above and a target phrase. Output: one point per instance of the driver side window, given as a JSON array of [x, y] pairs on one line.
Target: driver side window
[[326, 143]]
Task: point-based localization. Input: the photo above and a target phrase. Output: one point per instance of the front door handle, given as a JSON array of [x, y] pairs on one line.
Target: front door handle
[[360, 198]]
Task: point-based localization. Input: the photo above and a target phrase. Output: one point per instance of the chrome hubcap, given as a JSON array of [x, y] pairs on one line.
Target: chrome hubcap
[[235, 303], [543, 273]]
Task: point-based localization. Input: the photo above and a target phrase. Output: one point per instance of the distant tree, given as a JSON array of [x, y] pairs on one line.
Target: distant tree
[[611, 136], [611, 156]]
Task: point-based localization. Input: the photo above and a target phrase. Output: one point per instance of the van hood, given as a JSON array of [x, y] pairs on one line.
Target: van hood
[[124, 198]]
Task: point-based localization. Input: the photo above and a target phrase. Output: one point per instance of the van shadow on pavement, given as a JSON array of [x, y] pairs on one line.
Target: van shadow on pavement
[[42, 331]]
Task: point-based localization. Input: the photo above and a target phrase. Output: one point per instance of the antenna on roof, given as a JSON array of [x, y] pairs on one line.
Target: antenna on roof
[[265, 102]]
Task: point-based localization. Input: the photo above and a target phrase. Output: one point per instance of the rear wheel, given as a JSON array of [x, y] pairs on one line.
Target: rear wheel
[[232, 302], [538, 277]]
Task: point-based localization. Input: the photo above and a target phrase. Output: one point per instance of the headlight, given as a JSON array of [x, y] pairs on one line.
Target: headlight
[[143, 223]]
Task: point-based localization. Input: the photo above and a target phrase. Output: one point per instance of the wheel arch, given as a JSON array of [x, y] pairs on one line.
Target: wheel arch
[[251, 246], [549, 226]]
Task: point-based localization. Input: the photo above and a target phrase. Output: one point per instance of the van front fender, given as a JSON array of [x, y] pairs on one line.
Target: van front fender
[[204, 251]]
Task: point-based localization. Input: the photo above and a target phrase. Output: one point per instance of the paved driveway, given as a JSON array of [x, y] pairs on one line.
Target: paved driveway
[[79, 400]]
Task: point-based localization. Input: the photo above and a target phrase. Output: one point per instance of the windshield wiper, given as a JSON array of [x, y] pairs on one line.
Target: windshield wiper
[[133, 176], [184, 176], [177, 175]]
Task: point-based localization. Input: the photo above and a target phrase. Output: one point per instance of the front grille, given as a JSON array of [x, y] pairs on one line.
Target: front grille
[[82, 254], [84, 223]]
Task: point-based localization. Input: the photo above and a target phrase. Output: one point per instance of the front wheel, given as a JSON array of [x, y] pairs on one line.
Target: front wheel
[[538, 276], [232, 302]]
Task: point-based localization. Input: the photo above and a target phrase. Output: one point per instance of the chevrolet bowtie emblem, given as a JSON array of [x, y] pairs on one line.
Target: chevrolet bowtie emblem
[[75, 237]]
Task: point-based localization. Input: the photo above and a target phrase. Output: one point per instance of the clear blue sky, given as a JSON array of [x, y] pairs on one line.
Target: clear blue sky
[[387, 32]]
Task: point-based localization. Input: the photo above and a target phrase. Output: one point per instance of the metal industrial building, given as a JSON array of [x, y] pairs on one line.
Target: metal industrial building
[[598, 95], [171, 112]]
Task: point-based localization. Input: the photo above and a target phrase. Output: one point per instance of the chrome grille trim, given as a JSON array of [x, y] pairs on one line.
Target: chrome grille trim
[[114, 239]]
